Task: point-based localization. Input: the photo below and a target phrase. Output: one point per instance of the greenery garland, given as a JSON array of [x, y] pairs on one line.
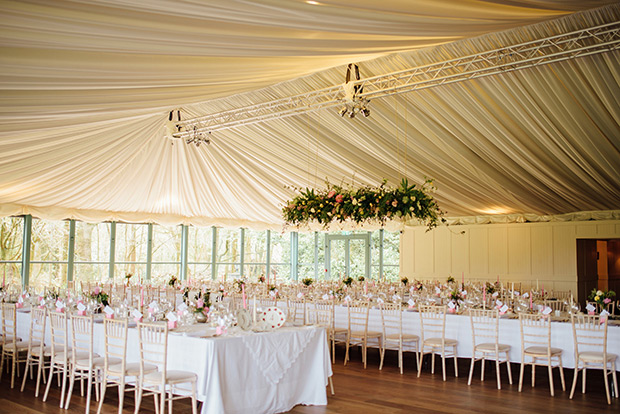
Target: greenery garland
[[364, 204]]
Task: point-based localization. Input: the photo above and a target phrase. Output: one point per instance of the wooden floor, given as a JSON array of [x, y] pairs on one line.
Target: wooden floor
[[372, 391]]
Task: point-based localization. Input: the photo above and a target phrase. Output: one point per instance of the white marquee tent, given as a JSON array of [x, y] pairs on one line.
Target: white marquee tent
[[87, 87]]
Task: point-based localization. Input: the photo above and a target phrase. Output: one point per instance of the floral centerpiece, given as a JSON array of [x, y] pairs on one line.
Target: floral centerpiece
[[100, 296], [361, 279], [491, 288], [450, 280], [417, 285], [128, 277], [348, 281], [238, 283], [364, 204], [173, 281], [261, 279], [307, 281], [602, 298], [404, 281]]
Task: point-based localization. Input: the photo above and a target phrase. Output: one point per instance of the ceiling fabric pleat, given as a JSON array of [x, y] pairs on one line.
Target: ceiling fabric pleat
[[87, 88]]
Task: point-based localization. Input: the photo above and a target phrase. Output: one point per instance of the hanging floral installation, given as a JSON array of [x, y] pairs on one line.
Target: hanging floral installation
[[364, 205]]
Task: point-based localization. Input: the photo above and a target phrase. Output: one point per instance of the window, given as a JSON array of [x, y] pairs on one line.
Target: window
[[255, 254], [200, 252], [280, 257], [48, 253], [92, 252], [130, 256], [11, 246], [310, 266], [227, 253], [391, 255], [166, 253]]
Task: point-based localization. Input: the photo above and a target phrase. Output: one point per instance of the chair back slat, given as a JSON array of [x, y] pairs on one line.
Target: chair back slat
[[153, 338], [432, 321], [484, 326], [82, 336], [535, 330], [115, 344]]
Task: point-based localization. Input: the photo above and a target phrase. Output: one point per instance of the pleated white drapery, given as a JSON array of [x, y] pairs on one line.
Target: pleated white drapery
[[87, 86]]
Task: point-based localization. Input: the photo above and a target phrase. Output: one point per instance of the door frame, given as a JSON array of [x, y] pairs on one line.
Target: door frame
[[365, 237]]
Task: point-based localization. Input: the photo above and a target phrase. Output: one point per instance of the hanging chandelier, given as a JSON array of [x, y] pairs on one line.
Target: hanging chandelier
[[354, 103]]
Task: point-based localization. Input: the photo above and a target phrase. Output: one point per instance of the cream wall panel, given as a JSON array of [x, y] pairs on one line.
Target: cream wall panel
[[478, 252], [565, 251], [542, 251], [423, 265], [605, 231], [586, 231], [443, 251], [519, 252], [407, 252], [460, 254], [498, 250], [519, 259]]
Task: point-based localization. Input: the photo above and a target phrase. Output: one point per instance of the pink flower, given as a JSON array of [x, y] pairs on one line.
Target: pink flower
[[200, 303], [97, 290], [606, 301], [331, 194], [339, 198], [205, 311], [394, 203]]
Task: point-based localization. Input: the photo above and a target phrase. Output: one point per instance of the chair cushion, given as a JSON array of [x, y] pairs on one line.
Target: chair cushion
[[369, 334], [406, 337], [132, 369], [436, 342], [47, 351], [541, 351], [21, 346], [596, 357], [171, 377], [490, 347]]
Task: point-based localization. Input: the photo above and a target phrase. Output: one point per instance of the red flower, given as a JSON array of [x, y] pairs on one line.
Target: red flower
[[331, 194], [339, 198]]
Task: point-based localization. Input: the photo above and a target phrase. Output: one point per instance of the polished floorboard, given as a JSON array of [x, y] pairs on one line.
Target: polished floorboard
[[371, 391]]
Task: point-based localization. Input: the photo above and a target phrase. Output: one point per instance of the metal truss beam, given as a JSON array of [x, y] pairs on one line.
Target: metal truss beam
[[594, 40]]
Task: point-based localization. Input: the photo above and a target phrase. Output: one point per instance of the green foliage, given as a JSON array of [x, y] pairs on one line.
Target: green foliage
[[307, 281], [364, 204]]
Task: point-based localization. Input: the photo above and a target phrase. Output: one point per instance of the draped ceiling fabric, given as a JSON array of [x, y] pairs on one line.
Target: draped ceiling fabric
[[86, 87]]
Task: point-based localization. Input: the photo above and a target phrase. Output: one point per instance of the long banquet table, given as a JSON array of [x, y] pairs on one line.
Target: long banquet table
[[459, 327], [243, 372]]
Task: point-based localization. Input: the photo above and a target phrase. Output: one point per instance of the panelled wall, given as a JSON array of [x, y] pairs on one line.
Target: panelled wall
[[519, 252]]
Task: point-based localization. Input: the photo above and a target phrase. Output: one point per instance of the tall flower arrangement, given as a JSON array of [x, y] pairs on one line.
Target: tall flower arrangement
[[364, 204]]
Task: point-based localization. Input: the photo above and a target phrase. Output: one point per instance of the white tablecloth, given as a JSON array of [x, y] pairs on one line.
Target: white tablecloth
[[459, 327], [246, 372]]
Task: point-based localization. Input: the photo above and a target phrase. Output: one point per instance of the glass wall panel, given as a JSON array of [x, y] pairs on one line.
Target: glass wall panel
[[11, 243], [48, 253], [255, 254], [92, 252], [200, 240], [131, 247], [199, 254], [227, 253], [167, 244], [280, 256]]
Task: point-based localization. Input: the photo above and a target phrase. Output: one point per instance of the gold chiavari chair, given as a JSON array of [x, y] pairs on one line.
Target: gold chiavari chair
[[13, 348], [37, 351], [536, 344], [433, 339], [590, 340], [358, 333], [485, 338], [393, 335], [153, 339]]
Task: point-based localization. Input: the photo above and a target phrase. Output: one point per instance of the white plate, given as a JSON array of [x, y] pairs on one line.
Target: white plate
[[273, 317], [244, 319]]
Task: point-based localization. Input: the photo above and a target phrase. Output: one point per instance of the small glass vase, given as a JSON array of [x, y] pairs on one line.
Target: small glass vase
[[200, 317]]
